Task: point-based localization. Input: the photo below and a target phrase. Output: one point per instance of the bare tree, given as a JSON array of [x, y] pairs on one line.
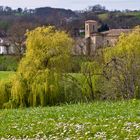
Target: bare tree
[[17, 37], [124, 78]]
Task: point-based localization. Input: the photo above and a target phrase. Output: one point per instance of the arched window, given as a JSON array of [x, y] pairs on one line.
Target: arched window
[[93, 28], [107, 42]]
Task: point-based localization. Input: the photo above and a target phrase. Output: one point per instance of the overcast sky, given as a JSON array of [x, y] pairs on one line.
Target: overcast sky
[[73, 4]]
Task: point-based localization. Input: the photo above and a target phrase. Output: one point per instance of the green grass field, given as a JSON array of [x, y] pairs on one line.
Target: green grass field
[[136, 14], [94, 121], [103, 16], [4, 75]]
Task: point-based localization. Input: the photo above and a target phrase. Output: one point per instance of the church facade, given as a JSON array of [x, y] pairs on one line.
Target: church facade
[[95, 39]]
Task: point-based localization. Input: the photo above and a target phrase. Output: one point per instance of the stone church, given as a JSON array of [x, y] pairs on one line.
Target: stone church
[[95, 39]]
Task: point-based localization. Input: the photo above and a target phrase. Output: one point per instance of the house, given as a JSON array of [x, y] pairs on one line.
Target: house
[[5, 46], [2, 40]]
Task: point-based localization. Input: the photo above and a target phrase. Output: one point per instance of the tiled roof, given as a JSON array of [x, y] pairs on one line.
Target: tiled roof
[[115, 32], [91, 21]]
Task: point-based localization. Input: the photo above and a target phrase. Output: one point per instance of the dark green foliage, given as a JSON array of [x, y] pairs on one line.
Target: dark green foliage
[[76, 62], [104, 27], [8, 63], [4, 25]]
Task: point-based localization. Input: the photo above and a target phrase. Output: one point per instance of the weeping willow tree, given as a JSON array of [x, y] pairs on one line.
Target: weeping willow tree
[[40, 72]]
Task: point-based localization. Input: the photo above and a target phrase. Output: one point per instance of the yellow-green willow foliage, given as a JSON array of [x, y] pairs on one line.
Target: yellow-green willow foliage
[[5, 92], [38, 78], [123, 64]]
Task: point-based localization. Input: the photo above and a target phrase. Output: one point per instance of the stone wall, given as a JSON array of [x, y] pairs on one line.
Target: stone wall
[[110, 40]]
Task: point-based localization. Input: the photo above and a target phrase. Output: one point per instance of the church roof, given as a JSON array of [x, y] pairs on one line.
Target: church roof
[[116, 32], [91, 21]]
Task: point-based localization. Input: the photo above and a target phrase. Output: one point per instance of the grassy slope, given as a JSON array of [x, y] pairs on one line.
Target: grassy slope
[[105, 16], [136, 14], [4, 75], [83, 121]]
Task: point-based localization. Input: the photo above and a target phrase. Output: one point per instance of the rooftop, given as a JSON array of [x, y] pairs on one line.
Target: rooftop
[[90, 21], [115, 32]]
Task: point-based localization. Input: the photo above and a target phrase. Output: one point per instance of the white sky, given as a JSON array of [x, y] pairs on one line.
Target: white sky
[[73, 4]]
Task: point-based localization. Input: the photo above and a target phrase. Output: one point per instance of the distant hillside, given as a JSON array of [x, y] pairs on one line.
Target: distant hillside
[[126, 19], [68, 20], [48, 11]]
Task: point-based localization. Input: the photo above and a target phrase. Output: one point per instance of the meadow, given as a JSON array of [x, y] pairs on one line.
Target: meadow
[[89, 121]]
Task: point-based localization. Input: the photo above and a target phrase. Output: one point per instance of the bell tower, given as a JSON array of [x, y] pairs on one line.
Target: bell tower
[[91, 26]]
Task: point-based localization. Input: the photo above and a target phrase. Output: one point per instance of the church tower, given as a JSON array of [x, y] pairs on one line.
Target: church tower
[[91, 26]]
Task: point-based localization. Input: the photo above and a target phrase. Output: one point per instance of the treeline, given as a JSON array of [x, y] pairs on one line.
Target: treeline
[[39, 16], [68, 20]]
